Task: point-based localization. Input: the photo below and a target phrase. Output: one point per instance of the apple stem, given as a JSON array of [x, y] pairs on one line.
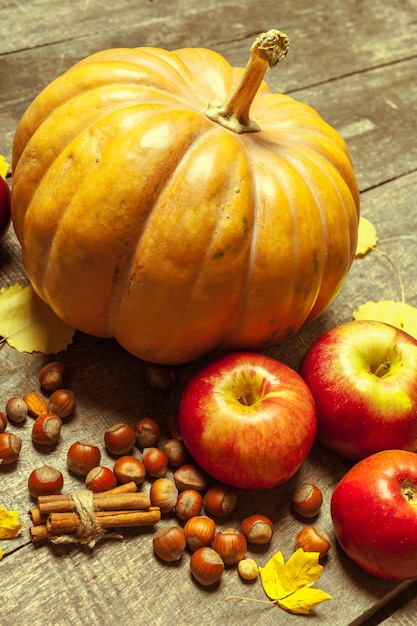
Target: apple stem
[[409, 491], [382, 368]]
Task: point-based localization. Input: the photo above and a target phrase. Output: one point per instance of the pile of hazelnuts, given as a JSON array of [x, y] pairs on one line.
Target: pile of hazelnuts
[[189, 494]]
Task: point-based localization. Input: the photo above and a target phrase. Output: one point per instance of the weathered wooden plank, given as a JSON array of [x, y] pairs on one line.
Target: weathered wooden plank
[[401, 610], [405, 615], [69, 588], [376, 114], [32, 23], [366, 34]]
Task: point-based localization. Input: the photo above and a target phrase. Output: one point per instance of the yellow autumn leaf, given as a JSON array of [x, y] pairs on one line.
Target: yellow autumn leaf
[[28, 324], [302, 568], [269, 575], [4, 166], [303, 600], [9, 523], [289, 583], [367, 237], [398, 314]]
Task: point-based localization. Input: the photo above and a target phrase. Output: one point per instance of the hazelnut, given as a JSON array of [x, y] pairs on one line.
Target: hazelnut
[[258, 529], [16, 409], [3, 422], [231, 544], [46, 429], [100, 479], [312, 539], [206, 566], [220, 500], [248, 569], [307, 500], [176, 452], [45, 481], [163, 493], [199, 532], [155, 461], [169, 543], [147, 432], [82, 456], [189, 503], [10, 445], [172, 423], [119, 439], [53, 376], [159, 377], [190, 476], [62, 402], [128, 468]]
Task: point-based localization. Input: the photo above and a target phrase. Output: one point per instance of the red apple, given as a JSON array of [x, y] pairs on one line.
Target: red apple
[[4, 207], [247, 420], [363, 378], [374, 514]]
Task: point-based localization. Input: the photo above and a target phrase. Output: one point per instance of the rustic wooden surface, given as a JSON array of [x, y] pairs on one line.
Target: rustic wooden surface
[[356, 63]]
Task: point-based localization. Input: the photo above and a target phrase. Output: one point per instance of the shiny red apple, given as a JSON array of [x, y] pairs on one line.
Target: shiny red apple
[[4, 207], [363, 376], [248, 420], [374, 514]]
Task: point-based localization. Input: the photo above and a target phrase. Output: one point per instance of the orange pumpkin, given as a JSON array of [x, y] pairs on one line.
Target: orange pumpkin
[[150, 213]]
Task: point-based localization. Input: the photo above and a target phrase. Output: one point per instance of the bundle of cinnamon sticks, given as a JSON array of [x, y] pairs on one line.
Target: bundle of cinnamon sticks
[[85, 516]]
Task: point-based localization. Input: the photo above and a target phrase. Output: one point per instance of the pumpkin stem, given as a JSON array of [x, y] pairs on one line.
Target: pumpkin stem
[[267, 50]]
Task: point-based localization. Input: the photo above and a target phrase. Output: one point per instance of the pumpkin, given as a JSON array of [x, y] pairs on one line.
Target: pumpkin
[[171, 201]]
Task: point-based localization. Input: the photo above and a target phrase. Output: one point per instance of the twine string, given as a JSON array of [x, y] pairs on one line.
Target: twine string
[[90, 530]]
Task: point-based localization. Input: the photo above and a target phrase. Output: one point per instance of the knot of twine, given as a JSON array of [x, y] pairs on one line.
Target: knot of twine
[[90, 530]]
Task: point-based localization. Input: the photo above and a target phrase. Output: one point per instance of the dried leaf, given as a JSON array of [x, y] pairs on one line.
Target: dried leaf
[[367, 237], [269, 575], [4, 166], [9, 523], [303, 600], [398, 314], [28, 324], [289, 583]]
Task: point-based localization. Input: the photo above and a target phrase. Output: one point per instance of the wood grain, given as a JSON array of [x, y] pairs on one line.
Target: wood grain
[[356, 64]]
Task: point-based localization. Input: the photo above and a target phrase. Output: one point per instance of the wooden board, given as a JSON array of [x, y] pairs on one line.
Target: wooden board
[[355, 63]]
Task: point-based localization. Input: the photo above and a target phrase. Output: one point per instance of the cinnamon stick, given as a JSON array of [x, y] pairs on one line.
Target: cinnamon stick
[[121, 506], [38, 518], [106, 501], [130, 487], [38, 533], [106, 519], [69, 522]]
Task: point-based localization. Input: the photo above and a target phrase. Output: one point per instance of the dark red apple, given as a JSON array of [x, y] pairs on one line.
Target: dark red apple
[[374, 514]]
